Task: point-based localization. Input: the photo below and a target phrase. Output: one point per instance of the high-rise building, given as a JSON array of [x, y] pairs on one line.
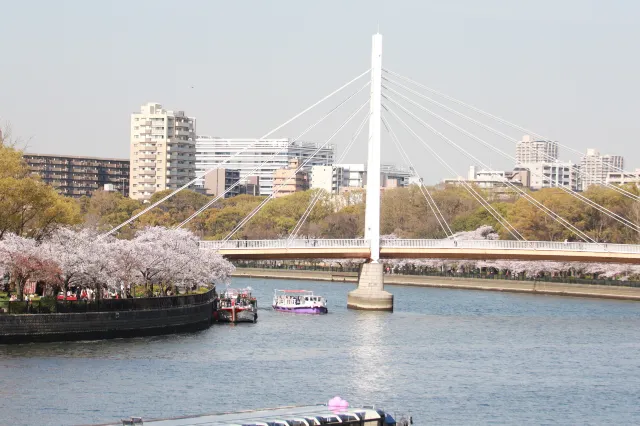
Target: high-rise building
[[162, 150], [212, 151], [594, 167], [78, 176], [529, 151]]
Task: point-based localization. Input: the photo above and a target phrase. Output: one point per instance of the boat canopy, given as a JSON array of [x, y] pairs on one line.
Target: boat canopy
[[234, 292], [293, 292]]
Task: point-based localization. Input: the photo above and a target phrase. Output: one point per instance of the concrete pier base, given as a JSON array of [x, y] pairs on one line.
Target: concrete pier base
[[370, 294]]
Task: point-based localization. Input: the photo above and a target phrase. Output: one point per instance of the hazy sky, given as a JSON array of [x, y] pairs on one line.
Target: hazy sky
[[73, 71]]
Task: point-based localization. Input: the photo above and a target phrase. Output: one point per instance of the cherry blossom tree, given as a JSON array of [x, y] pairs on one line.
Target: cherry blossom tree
[[173, 257], [485, 232], [70, 248], [24, 259]]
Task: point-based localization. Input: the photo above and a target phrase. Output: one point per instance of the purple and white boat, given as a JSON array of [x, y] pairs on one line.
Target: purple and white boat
[[299, 302]]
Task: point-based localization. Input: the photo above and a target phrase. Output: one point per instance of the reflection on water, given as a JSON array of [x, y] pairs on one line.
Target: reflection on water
[[448, 356], [370, 354]]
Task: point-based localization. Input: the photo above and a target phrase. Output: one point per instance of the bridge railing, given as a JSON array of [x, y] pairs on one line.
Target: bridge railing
[[511, 245], [284, 244], [421, 244]]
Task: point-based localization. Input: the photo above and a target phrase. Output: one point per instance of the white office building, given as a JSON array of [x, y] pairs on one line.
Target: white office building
[[549, 175], [247, 155], [530, 150], [620, 178], [595, 167], [350, 175]]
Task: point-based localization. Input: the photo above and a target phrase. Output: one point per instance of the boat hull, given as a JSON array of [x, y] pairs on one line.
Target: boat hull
[[302, 310], [235, 315]]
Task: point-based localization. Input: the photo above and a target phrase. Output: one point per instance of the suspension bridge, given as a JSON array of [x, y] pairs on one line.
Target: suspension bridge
[[390, 98]]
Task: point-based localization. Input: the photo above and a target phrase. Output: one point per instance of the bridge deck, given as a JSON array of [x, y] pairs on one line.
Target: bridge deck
[[425, 249]]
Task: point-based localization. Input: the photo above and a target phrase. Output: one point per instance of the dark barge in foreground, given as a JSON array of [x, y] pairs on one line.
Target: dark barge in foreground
[[106, 319], [312, 415]]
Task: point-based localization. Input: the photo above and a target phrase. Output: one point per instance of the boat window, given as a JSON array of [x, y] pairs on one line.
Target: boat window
[[331, 420]]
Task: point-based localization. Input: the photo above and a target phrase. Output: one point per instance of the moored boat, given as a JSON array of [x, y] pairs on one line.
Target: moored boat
[[237, 305], [299, 302]]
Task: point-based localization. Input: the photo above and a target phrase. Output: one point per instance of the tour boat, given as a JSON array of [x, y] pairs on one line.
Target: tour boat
[[237, 305], [311, 415], [299, 302]]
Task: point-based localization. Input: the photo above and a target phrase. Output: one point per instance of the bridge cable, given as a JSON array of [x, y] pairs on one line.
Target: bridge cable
[[268, 160], [528, 197], [509, 138], [217, 166], [292, 176], [428, 198], [499, 119], [570, 191], [318, 194], [492, 211]]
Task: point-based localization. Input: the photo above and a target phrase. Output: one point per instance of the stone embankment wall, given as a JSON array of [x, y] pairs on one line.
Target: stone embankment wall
[[558, 289], [104, 325]]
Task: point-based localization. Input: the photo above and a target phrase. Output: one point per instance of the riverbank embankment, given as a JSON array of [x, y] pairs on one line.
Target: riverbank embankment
[[533, 287]]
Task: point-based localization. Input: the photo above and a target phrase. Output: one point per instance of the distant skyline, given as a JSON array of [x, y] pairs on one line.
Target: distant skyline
[[74, 71]]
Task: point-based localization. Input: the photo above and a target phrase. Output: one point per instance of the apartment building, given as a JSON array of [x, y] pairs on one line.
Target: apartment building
[[80, 176], [290, 180], [529, 150], [163, 150], [595, 168], [220, 181], [325, 178], [248, 156]]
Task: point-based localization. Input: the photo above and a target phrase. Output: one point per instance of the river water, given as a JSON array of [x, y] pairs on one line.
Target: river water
[[449, 357]]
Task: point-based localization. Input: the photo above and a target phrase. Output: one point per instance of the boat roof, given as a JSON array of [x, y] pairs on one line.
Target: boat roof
[[256, 417], [237, 290], [295, 291]]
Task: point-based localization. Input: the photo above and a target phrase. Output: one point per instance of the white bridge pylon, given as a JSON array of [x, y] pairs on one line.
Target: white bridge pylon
[[372, 208]]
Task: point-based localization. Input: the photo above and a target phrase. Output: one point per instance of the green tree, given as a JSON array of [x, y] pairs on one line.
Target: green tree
[[28, 207], [106, 210], [534, 224]]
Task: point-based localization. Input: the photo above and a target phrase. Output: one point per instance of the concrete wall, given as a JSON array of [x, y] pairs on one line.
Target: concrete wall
[[104, 325], [558, 289]]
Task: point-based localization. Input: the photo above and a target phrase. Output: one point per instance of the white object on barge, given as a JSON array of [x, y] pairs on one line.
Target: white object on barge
[[308, 415]]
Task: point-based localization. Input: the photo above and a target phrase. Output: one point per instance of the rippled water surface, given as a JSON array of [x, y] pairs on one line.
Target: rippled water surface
[[447, 356]]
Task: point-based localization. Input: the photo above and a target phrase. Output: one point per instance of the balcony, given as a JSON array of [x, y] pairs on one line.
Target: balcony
[[147, 172], [184, 150], [147, 156], [147, 181]]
